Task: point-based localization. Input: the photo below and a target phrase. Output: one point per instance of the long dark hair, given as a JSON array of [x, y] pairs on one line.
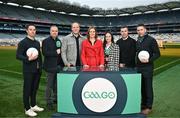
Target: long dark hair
[[105, 42]]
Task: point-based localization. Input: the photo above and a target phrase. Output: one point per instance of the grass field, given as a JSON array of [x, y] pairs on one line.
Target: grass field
[[166, 85], [172, 45]]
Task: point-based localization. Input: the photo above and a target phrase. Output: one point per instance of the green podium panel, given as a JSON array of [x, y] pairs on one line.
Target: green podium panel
[[99, 92]]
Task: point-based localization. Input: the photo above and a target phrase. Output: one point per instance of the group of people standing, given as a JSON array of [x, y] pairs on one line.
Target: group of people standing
[[75, 50]]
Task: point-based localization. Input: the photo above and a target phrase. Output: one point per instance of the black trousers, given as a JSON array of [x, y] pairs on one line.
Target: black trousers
[[31, 85], [146, 85], [51, 88]]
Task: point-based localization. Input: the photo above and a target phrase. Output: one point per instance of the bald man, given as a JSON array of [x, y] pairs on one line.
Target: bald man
[[51, 49], [71, 46]]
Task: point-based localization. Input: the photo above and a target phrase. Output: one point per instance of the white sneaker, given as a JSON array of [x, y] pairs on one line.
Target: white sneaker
[[36, 108], [30, 113]]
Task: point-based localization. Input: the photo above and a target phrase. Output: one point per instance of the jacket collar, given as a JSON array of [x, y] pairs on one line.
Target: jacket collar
[[125, 38], [52, 38], [72, 35], [140, 39], [30, 38]]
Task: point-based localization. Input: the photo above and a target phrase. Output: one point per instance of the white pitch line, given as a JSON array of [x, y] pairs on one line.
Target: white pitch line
[[166, 64], [15, 72], [9, 71]]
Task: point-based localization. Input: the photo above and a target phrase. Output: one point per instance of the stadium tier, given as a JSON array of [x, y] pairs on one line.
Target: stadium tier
[[134, 78], [163, 25], [21, 13]]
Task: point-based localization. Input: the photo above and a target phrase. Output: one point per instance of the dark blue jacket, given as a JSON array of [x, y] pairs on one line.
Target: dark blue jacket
[[51, 59], [23, 46], [149, 44]]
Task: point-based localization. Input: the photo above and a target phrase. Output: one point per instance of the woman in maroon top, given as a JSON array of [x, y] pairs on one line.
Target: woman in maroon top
[[92, 50]]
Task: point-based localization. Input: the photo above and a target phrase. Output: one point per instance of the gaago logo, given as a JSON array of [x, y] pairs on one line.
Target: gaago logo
[[99, 95], [96, 95]]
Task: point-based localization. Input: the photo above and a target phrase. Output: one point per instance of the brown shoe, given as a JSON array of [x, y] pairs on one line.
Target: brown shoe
[[146, 111]]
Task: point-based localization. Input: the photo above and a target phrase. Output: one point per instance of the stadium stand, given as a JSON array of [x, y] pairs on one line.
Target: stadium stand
[[161, 24], [20, 13]]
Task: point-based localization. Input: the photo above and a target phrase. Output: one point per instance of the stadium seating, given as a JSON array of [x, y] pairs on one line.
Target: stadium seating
[[45, 16], [13, 31]]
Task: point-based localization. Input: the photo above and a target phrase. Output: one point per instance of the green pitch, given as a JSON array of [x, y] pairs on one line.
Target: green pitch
[[166, 85]]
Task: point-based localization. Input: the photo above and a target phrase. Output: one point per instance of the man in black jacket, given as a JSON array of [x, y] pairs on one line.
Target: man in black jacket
[[145, 67], [127, 46], [31, 70], [51, 49]]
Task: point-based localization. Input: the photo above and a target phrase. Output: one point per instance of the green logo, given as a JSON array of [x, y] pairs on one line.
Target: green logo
[[99, 95], [107, 51], [58, 44]]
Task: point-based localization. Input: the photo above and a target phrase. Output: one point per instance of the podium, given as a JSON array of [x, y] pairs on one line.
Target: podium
[[98, 91]]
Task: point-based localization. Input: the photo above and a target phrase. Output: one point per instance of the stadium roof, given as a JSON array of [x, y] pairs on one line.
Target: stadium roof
[[76, 9]]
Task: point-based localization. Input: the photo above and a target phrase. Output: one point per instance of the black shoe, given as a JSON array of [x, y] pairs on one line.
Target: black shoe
[[50, 107]]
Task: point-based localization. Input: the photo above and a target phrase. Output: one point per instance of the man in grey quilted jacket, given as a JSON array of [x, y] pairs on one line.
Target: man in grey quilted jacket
[[71, 46]]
